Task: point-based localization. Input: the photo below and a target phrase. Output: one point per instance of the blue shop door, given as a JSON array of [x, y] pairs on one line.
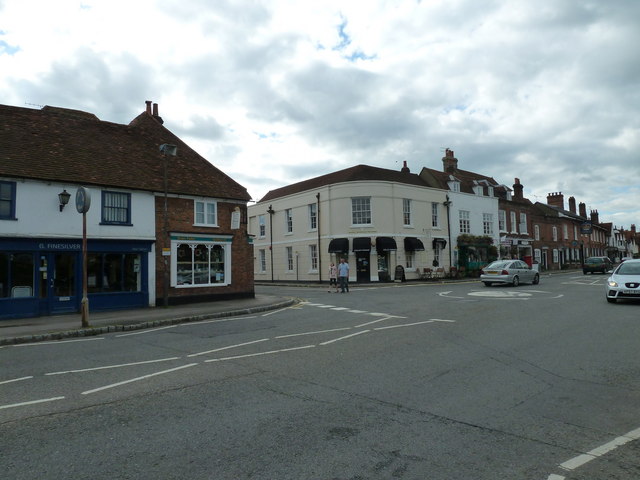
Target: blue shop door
[[60, 285]]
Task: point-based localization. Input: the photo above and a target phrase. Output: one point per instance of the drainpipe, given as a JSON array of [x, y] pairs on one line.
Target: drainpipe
[[448, 205], [318, 228]]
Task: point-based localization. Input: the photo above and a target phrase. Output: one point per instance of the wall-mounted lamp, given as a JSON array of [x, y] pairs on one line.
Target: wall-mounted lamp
[[63, 198]]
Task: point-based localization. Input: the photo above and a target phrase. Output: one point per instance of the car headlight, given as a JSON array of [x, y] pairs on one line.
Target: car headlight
[[611, 283]]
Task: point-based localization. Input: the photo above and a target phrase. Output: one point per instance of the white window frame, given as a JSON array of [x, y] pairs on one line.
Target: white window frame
[[360, 211], [556, 256], [206, 214], [435, 221], [465, 221], [514, 225], [289, 255], [536, 232], [288, 220], [565, 231], [502, 220], [262, 226], [487, 223], [193, 240], [313, 254], [406, 212], [410, 260], [313, 217], [554, 233], [262, 261], [523, 223]]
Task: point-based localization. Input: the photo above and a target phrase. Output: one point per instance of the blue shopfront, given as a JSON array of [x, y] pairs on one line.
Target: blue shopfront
[[44, 276]]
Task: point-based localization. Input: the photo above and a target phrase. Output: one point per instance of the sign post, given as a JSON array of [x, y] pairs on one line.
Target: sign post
[[83, 202]]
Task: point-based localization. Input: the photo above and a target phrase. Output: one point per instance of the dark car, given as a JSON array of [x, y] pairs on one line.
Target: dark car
[[597, 264]]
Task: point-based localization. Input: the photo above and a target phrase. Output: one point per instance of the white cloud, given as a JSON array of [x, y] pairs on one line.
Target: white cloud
[[276, 91]]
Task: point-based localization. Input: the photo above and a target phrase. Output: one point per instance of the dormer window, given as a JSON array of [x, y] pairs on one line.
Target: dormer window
[[453, 183]]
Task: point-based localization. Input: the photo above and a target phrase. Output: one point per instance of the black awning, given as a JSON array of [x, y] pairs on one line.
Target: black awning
[[362, 244], [339, 245], [413, 244], [439, 243], [385, 244]]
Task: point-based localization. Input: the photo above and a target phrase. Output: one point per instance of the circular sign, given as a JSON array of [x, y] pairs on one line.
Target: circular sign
[[83, 200]]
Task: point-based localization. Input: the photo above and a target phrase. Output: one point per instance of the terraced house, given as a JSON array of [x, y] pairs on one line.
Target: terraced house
[[164, 225]]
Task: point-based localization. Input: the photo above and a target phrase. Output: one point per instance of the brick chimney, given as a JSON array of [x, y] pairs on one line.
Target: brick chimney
[[594, 217], [155, 114], [449, 162], [572, 204], [404, 168], [148, 102], [517, 190], [583, 209], [633, 227], [556, 200]]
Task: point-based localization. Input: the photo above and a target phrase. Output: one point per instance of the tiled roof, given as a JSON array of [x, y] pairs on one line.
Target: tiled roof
[[353, 174], [440, 179], [62, 145]]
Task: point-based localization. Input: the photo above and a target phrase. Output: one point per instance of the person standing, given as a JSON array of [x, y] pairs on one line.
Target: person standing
[[333, 277], [343, 275]]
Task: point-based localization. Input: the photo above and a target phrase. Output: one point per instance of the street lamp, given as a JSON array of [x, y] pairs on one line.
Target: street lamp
[[271, 211], [447, 204], [170, 150]]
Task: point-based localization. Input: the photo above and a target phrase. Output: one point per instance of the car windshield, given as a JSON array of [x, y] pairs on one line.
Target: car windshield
[[628, 268]]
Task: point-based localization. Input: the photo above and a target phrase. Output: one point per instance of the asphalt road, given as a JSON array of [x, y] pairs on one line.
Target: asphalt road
[[408, 381]]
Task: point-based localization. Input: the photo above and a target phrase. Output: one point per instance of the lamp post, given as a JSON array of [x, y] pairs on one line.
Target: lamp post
[[271, 211], [83, 202], [170, 150], [447, 204]]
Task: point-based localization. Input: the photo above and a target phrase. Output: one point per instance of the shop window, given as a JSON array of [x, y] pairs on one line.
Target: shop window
[[113, 272], [16, 275], [200, 264]]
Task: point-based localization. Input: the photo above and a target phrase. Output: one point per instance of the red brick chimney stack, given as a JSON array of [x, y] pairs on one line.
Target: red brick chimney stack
[[449, 161], [156, 115], [517, 190], [594, 217], [572, 204], [556, 200], [633, 227], [148, 102], [583, 209], [404, 168]]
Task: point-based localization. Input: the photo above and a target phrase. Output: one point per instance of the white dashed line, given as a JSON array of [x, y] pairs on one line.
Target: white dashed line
[[32, 402]]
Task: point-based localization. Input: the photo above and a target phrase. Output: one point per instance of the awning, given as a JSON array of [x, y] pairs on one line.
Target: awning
[[413, 244], [339, 245], [439, 243], [362, 244], [385, 244]]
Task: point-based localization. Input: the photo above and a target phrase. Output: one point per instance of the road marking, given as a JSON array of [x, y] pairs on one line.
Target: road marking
[[371, 322], [258, 354], [137, 379], [344, 338], [113, 366], [57, 342], [584, 458], [404, 325], [276, 311], [151, 330], [217, 320], [228, 347], [32, 402], [15, 380], [313, 333]]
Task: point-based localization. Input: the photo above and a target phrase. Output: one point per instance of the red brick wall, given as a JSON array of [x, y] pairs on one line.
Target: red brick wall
[[180, 219]]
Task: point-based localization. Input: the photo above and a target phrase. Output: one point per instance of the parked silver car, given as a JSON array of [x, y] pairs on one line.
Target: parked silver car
[[509, 271], [624, 282]]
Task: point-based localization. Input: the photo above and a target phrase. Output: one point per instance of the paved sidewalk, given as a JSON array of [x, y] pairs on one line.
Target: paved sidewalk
[[27, 330]]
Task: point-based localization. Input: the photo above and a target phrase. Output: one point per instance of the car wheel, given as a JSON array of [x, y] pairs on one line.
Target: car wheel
[[611, 300], [536, 279], [516, 281], [487, 284]]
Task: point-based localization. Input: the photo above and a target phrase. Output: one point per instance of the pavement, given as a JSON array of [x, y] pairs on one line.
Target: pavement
[[58, 327]]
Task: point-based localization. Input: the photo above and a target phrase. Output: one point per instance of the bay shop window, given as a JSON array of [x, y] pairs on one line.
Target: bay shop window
[[200, 261]]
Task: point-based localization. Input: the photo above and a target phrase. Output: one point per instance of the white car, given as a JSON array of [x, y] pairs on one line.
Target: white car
[[624, 282], [509, 271]]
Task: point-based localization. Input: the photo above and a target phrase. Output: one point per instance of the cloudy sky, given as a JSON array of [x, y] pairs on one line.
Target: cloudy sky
[[277, 91]]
